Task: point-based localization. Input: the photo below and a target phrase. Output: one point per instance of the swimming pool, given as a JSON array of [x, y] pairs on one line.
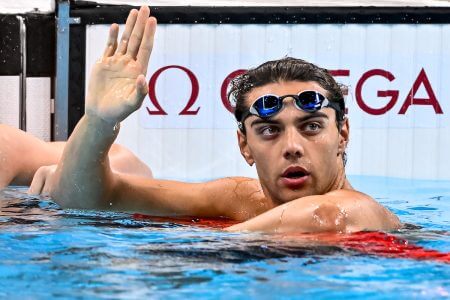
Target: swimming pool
[[48, 252]]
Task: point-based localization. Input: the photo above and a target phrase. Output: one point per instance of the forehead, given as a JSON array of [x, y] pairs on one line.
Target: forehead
[[283, 88]]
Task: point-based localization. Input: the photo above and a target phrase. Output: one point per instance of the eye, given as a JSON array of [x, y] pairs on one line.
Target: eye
[[268, 131], [312, 128]]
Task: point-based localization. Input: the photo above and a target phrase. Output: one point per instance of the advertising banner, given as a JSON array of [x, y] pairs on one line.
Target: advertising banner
[[396, 78]]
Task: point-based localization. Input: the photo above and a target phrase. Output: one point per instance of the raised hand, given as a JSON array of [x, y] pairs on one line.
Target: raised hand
[[117, 84]]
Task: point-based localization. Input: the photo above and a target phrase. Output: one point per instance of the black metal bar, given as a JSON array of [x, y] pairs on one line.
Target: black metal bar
[[61, 125], [91, 13], [23, 74]]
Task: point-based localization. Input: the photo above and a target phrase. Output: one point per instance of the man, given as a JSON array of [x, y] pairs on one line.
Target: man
[[291, 126], [22, 154]]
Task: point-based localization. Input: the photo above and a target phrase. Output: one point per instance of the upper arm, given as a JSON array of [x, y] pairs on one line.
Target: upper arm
[[17, 168], [10, 162], [165, 197]]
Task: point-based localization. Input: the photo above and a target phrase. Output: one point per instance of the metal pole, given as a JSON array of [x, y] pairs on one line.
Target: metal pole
[[62, 70], [23, 75]]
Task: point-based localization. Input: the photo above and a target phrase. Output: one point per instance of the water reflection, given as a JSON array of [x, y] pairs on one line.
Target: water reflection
[[91, 254]]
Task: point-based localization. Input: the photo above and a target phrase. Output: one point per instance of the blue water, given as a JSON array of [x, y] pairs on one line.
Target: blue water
[[47, 252]]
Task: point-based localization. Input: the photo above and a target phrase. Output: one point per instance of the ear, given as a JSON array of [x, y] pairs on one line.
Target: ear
[[243, 146], [344, 135]]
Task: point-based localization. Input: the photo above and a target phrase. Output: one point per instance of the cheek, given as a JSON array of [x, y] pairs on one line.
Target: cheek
[[324, 149], [265, 159], [261, 151]]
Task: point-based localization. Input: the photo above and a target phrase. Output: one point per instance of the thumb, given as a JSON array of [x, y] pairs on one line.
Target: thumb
[[141, 91]]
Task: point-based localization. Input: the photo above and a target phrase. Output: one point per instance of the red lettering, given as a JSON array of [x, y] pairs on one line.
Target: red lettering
[[339, 72], [152, 92], [411, 99], [344, 88], [390, 93], [431, 100], [223, 89]]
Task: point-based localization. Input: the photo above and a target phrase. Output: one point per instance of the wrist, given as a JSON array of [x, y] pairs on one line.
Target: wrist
[[101, 125]]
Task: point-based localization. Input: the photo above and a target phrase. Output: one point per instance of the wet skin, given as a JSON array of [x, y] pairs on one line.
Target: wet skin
[[295, 141], [298, 156]]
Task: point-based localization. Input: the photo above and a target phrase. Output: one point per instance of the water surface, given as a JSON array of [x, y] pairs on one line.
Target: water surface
[[49, 252]]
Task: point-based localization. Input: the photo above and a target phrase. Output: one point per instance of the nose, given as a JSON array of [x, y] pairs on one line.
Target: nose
[[293, 148]]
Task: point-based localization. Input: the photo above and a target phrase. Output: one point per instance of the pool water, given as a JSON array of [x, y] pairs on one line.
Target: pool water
[[47, 252]]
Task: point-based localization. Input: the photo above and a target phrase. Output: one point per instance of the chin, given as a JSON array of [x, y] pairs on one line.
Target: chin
[[290, 195], [281, 194]]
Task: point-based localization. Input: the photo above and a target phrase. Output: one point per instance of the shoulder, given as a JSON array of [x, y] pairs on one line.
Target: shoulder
[[362, 212], [10, 155]]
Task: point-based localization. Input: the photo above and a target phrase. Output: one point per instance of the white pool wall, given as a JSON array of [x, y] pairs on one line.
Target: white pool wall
[[410, 145]]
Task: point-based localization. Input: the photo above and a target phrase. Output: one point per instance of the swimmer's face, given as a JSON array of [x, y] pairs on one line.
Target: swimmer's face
[[296, 153]]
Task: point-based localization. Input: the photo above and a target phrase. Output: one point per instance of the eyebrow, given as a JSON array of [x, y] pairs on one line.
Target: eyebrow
[[313, 115]]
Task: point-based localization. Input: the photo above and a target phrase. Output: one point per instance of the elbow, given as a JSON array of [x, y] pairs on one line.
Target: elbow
[[323, 217], [58, 196], [315, 217], [68, 194], [61, 195], [329, 217]]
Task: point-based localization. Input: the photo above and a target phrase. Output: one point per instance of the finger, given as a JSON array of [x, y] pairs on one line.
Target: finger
[[46, 189], [139, 93], [146, 47], [138, 31], [131, 20], [111, 44], [49, 180], [37, 183]]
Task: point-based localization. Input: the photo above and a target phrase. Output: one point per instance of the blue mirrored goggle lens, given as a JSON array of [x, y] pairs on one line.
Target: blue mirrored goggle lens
[[269, 105], [310, 101]]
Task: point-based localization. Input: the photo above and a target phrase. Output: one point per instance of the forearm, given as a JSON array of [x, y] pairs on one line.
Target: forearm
[[272, 221], [83, 178], [116, 89], [309, 214]]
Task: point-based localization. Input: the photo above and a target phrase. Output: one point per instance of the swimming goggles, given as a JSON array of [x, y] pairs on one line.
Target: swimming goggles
[[269, 105]]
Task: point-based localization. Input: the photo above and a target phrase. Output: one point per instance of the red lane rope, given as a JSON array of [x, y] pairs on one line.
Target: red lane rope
[[383, 244], [372, 243], [216, 223]]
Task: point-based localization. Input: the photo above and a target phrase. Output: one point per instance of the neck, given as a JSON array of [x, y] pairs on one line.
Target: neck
[[341, 181]]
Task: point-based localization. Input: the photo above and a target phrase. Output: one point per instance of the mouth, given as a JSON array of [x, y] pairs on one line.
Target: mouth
[[294, 177]]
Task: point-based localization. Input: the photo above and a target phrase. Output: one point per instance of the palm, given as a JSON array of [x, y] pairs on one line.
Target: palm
[[117, 83], [112, 89]]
